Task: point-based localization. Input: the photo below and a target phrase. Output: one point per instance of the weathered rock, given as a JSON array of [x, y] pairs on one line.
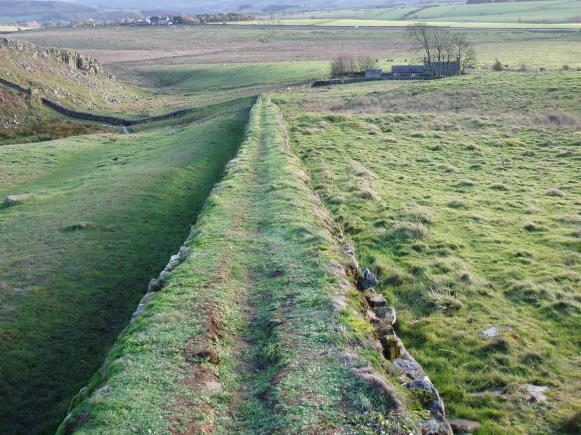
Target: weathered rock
[[11, 200], [102, 391], [79, 226], [384, 329], [536, 393], [436, 425], [143, 303], [387, 314], [155, 285], [175, 261], [424, 383], [372, 317], [495, 331], [462, 426], [369, 280], [497, 391], [392, 347], [376, 300]]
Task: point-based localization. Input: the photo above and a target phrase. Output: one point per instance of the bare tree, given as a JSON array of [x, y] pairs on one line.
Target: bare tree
[[364, 63], [348, 65], [441, 47], [466, 53], [422, 35]]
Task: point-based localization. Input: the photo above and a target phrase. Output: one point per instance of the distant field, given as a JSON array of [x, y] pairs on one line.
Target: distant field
[[349, 22], [553, 11], [134, 53], [463, 196], [216, 77]]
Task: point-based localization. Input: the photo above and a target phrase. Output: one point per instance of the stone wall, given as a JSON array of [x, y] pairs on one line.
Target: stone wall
[[15, 86], [112, 120]]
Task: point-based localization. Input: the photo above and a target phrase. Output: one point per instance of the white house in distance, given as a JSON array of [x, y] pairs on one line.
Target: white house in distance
[[160, 21]]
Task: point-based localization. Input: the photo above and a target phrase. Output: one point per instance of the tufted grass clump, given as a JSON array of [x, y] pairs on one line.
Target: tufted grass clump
[[501, 187], [403, 231]]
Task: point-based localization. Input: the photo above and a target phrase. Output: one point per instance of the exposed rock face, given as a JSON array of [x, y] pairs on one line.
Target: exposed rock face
[[74, 60]]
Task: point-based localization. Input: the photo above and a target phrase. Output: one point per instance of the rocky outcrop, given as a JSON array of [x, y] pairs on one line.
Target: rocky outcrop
[[72, 59]]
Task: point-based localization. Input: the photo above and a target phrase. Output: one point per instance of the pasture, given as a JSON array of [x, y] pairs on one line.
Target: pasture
[[470, 219], [531, 12]]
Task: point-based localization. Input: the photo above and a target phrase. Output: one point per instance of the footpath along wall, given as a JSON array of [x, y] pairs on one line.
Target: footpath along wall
[[262, 323]]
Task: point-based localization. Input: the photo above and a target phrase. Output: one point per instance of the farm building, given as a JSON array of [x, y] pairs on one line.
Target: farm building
[[425, 71], [373, 73], [160, 21], [444, 69], [407, 72]]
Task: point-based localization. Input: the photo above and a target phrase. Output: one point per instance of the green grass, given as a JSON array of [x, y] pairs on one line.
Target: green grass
[[447, 190], [552, 11], [240, 341], [67, 294], [214, 78], [348, 22]]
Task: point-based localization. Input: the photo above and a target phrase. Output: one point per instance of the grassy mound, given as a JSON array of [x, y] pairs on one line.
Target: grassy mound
[[257, 330]]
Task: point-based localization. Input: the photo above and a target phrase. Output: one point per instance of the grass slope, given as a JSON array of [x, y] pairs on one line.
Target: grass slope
[[215, 78], [471, 219], [66, 293], [246, 336]]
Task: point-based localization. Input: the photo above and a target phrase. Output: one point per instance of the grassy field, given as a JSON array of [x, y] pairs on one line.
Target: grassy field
[[552, 11], [216, 78], [247, 335], [68, 289], [471, 220], [350, 22], [256, 55]]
